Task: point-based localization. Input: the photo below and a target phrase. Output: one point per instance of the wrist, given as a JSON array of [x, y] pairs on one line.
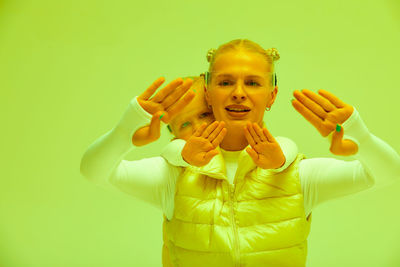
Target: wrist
[[183, 157]]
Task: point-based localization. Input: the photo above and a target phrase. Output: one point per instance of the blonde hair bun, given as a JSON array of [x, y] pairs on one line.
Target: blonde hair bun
[[273, 53], [210, 54]]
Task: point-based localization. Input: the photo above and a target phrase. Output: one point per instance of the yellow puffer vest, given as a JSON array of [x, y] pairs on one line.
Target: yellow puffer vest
[[257, 221]]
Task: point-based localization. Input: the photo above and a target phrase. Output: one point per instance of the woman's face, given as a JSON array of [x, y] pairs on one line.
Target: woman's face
[[240, 88], [193, 115]]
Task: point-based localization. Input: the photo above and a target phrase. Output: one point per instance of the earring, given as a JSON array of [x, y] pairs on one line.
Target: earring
[[268, 109]]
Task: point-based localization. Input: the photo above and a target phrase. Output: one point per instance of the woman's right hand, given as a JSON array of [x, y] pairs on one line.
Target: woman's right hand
[[200, 148], [165, 105]]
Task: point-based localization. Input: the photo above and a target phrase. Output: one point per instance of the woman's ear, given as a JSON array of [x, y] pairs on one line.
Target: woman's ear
[[274, 93]]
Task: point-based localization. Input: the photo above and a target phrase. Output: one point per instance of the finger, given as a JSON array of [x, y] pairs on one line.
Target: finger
[[311, 105], [155, 123], [152, 88], [269, 136], [167, 90], [217, 130], [253, 133], [219, 137], [336, 143], [324, 127], [200, 129], [210, 154], [259, 132], [332, 98], [179, 105], [210, 129], [249, 137], [252, 153], [322, 101], [175, 95]]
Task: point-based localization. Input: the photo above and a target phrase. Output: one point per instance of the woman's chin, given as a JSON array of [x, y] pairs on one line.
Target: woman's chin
[[235, 123]]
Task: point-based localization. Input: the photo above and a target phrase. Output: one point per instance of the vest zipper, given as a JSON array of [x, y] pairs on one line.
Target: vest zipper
[[236, 252]]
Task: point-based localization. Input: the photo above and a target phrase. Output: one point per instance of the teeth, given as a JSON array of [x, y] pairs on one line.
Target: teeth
[[237, 109]]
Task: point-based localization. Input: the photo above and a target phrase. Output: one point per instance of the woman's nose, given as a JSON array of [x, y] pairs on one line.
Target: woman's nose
[[238, 93]]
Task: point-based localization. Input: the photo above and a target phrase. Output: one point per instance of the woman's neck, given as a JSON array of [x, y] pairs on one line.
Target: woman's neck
[[234, 139]]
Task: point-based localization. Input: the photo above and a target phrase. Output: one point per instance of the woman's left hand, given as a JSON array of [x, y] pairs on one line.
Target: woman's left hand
[[265, 150], [325, 111]]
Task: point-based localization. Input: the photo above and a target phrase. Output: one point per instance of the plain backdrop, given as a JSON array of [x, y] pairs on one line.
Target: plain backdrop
[[68, 70]]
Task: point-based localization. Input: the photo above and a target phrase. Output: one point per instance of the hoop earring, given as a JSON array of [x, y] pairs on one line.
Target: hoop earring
[[268, 109]]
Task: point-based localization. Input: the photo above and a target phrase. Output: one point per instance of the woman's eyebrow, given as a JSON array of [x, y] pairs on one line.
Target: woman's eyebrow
[[255, 76], [248, 76], [225, 75]]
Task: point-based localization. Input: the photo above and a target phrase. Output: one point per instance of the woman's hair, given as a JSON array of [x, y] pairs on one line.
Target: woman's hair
[[270, 54]]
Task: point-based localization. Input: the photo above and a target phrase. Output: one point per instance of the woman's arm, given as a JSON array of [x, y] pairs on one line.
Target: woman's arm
[[105, 153], [149, 179], [103, 161], [377, 165]]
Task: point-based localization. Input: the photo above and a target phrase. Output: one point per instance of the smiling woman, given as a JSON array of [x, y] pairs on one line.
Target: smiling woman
[[236, 210], [231, 193], [240, 87]]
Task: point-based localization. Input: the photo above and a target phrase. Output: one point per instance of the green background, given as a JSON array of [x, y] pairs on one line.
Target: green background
[[68, 70]]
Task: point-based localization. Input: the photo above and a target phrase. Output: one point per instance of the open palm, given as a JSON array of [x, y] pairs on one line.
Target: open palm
[[164, 105], [265, 150], [325, 111]]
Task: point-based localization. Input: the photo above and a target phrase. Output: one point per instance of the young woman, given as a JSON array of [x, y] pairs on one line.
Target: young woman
[[240, 208], [252, 216]]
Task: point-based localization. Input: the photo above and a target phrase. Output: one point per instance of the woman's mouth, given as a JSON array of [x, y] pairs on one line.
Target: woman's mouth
[[237, 110]]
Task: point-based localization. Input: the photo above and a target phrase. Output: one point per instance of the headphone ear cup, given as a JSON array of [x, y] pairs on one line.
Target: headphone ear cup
[[169, 128]]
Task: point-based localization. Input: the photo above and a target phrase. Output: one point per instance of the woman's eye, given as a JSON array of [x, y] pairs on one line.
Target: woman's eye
[[205, 114], [185, 124], [224, 83], [252, 83]]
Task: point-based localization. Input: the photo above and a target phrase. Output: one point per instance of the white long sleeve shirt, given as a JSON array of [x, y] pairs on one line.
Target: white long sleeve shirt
[[153, 179]]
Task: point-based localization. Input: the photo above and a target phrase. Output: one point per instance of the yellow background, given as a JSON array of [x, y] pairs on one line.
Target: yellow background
[[68, 69]]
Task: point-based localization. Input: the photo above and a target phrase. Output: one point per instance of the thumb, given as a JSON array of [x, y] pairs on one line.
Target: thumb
[[342, 147], [154, 130], [210, 154], [337, 138]]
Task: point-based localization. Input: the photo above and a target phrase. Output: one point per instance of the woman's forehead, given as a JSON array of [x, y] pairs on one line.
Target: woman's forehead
[[235, 62]]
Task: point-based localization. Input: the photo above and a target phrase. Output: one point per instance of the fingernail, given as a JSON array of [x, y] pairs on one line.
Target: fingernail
[[161, 116], [338, 128], [292, 100]]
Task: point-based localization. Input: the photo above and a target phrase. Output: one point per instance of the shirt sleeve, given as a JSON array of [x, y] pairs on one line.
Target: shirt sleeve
[[377, 164], [173, 153], [107, 151], [289, 149], [146, 179], [151, 180]]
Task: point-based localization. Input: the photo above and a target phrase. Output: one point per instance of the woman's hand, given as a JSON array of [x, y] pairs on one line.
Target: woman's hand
[[325, 111], [265, 150], [167, 103], [200, 148]]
